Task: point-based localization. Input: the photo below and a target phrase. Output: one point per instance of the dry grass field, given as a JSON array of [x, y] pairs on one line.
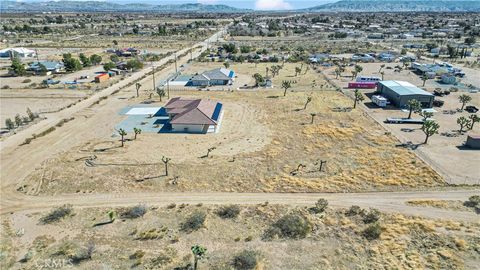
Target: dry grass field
[[334, 239], [266, 144]]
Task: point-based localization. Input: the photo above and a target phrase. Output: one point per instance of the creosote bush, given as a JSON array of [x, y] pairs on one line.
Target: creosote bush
[[230, 211], [194, 222], [354, 210], [372, 232], [57, 214], [292, 226], [320, 206], [372, 216], [134, 212], [245, 260]]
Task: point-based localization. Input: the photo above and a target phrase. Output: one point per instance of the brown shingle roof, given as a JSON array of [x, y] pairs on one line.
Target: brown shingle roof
[[192, 111]]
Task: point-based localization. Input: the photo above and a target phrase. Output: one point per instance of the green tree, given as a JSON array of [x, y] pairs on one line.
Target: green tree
[[108, 66], [424, 79], [136, 131], [430, 128], [114, 58], [134, 64], [71, 64], [198, 253], [286, 85], [464, 99], [259, 80], [43, 69], [122, 133], [413, 105], [18, 120], [226, 65], [17, 67], [85, 60], [463, 122], [95, 59], [9, 123], [474, 119], [358, 97]]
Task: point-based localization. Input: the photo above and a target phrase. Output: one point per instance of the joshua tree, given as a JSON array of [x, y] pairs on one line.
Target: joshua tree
[[430, 128], [313, 117], [18, 120], [309, 99], [9, 123], [424, 79], [381, 67], [413, 105], [210, 150], [137, 86], [358, 69], [464, 99], [358, 97], [136, 131], [122, 133], [266, 71], [314, 84], [338, 72], [160, 92], [383, 74], [286, 85], [258, 79], [165, 161], [463, 122], [112, 215], [425, 115], [198, 253], [297, 71], [226, 65], [474, 119]]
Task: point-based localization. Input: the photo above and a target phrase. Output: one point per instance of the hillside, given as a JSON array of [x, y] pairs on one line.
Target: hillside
[[98, 6], [400, 5]]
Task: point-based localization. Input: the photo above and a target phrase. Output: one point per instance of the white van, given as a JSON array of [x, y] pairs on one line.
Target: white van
[[368, 79]]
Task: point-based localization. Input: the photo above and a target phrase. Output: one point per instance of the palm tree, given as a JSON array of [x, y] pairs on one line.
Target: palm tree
[[136, 131], [358, 97], [198, 253], [309, 99], [165, 161], [413, 105], [122, 133], [464, 99], [313, 116], [286, 85], [430, 128]]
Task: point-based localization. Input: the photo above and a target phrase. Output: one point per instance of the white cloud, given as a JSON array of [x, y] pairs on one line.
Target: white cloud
[[272, 5], [207, 2]]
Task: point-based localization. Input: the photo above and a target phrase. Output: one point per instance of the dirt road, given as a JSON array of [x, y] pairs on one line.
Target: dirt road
[[394, 202]]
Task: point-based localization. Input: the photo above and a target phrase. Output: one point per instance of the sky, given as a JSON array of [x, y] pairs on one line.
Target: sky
[[250, 4]]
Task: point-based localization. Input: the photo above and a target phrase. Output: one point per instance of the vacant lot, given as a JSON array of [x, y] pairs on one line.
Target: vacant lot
[[161, 237], [266, 143]]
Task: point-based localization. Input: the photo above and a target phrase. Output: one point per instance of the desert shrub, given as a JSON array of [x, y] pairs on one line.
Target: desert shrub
[[320, 206], [245, 260], [152, 234], [171, 206], [6, 87], [28, 141], [293, 226], [372, 216], [134, 212], [137, 255], [84, 254], [194, 222], [230, 211], [372, 232], [57, 214], [473, 201], [354, 210], [26, 81]]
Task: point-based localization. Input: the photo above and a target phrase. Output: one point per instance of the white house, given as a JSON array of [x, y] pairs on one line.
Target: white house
[[17, 52]]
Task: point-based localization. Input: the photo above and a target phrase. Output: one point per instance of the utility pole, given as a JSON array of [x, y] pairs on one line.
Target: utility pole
[[176, 70], [154, 86], [191, 55], [168, 89]]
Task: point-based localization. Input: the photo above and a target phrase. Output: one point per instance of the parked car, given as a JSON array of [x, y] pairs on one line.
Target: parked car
[[51, 81], [438, 103], [471, 109], [363, 58]]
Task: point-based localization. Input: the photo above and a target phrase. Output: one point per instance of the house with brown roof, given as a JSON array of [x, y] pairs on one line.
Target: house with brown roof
[[194, 115]]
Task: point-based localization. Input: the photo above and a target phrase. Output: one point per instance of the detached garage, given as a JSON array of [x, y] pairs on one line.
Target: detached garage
[[400, 92]]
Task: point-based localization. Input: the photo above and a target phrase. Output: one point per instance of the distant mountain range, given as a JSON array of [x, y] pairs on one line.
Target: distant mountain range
[[399, 5], [342, 5], [102, 6]]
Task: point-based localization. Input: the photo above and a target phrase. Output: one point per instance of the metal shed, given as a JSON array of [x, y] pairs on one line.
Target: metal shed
[[400, 92]]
